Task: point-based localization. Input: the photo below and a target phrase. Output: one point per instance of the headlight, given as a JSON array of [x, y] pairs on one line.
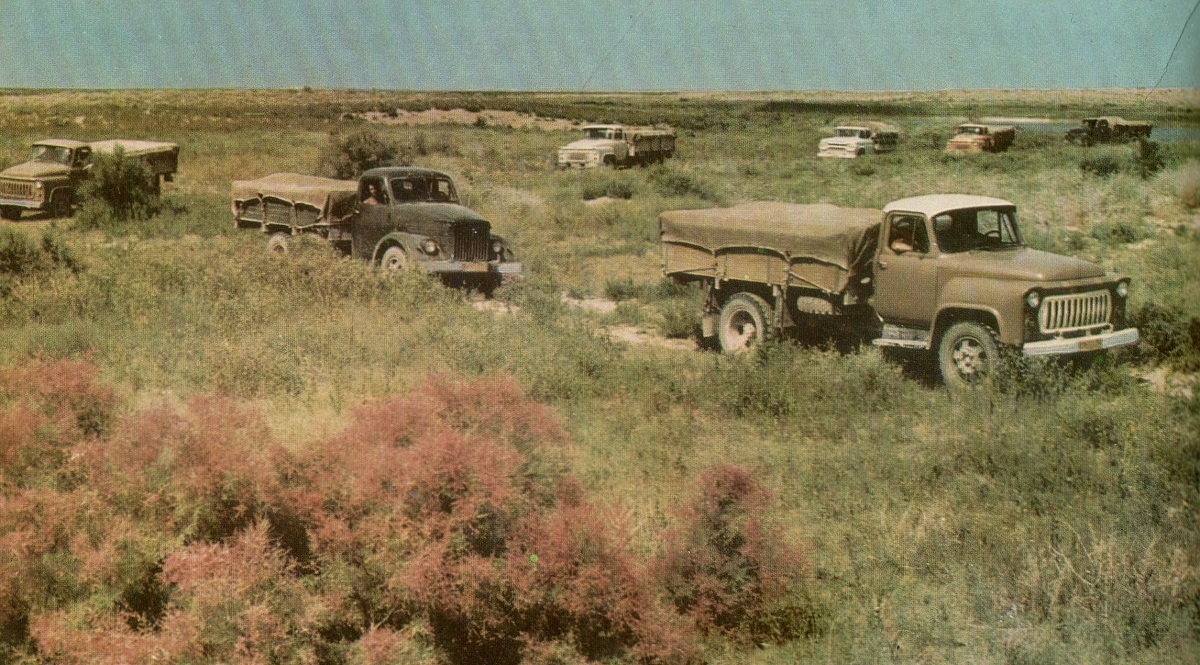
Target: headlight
[[497, 246], [1123, 289], [40, 185], [1033, 299], [429, 247]]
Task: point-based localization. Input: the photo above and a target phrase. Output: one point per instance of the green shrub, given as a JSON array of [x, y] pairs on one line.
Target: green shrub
[[118, 189], [1149, 159], [346, 156], [1100, 165], [19, 255], [1120, 231], [1168, 335]]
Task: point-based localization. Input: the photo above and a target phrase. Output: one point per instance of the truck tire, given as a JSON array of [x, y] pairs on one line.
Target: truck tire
[[394, 258], [10, 212], [967, 354], [278, 244], [743, 322], [60, 206]]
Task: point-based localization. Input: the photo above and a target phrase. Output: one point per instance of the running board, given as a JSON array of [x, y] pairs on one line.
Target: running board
[[905, 338]]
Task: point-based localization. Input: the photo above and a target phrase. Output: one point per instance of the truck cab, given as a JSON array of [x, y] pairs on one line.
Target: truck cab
[[951, 263]]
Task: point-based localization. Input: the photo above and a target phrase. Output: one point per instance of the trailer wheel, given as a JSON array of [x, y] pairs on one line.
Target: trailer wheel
[[10, 212], [743, 322], [394, 258], [278, 244], [967, 354]]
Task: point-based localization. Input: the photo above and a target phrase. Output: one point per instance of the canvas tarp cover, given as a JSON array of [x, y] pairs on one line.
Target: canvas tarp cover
[[824, 232], [335, 198], [132, 148]]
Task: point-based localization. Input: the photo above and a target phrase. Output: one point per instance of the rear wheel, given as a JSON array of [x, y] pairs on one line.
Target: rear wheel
[[394, 258], [278, 244], [10, 212], [743, 322], [968, 354]]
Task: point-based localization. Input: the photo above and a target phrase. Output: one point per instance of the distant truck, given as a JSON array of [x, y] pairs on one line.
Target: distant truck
[[50, 178], [391, 217], [856, 140], [975, 137], [1108, 129], [947, 274], [618, 145]]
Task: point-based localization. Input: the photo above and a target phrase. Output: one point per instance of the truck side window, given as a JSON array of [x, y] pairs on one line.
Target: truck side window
[[907, 234]]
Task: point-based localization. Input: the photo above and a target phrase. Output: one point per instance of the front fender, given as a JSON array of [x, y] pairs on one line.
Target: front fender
[[408, 241], [999, 299]]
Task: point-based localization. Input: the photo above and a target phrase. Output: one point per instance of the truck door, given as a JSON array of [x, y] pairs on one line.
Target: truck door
[[373, 219], [905, 272]]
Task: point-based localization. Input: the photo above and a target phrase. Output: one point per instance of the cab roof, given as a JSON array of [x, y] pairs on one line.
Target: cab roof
[[932, 205], [61, 143], [394, 171]]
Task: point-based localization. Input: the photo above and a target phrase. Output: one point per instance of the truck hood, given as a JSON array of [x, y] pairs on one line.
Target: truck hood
[[436, 213], [35, 170], [589, 144], [1022, 264]]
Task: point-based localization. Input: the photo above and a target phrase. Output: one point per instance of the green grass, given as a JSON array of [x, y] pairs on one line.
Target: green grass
[[1050, 520]]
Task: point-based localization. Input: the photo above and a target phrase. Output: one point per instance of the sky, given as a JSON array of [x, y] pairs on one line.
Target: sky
[[600, 45]]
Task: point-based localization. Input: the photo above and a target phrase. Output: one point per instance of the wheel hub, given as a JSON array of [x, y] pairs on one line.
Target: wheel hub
[[969, 358]]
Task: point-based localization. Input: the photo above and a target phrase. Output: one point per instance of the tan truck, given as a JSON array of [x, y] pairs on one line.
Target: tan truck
[[618, 145], [976, 137], [48, 180], [391, 216], [858, 139], [947, 274]]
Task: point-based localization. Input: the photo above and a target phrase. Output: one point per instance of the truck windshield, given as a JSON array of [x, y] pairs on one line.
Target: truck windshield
[[50, 153], [846, 132], [969, 129], [599, 133], [424, 188], [984, 228]]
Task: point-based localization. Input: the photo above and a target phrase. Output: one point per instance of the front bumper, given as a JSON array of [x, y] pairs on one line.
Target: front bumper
[[22, 203], [502, 268], [1065, 346]]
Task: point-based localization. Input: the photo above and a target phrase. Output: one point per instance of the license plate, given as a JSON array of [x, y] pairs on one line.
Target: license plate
[[1091, 344]]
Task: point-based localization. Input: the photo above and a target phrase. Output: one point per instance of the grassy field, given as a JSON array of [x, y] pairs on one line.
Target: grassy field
[[1049, 518]]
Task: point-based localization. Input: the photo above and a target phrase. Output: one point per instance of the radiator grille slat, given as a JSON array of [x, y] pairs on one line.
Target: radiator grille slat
[[1074, 312], [19, 189], [471, 242]]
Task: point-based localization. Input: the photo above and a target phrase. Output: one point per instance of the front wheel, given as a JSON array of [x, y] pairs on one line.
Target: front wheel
[[394, 258], [968, 354], [743, 322]]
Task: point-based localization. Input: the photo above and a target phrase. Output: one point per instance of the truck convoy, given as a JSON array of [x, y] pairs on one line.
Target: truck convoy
[[946, 274], [48, 180], [975, 137], [391, 217], [856, 140], [618, 145], [1108, 129]]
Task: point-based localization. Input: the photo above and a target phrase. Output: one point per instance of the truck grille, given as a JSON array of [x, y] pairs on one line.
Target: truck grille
[[1074, 312], [471, 242], [19, 189]]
